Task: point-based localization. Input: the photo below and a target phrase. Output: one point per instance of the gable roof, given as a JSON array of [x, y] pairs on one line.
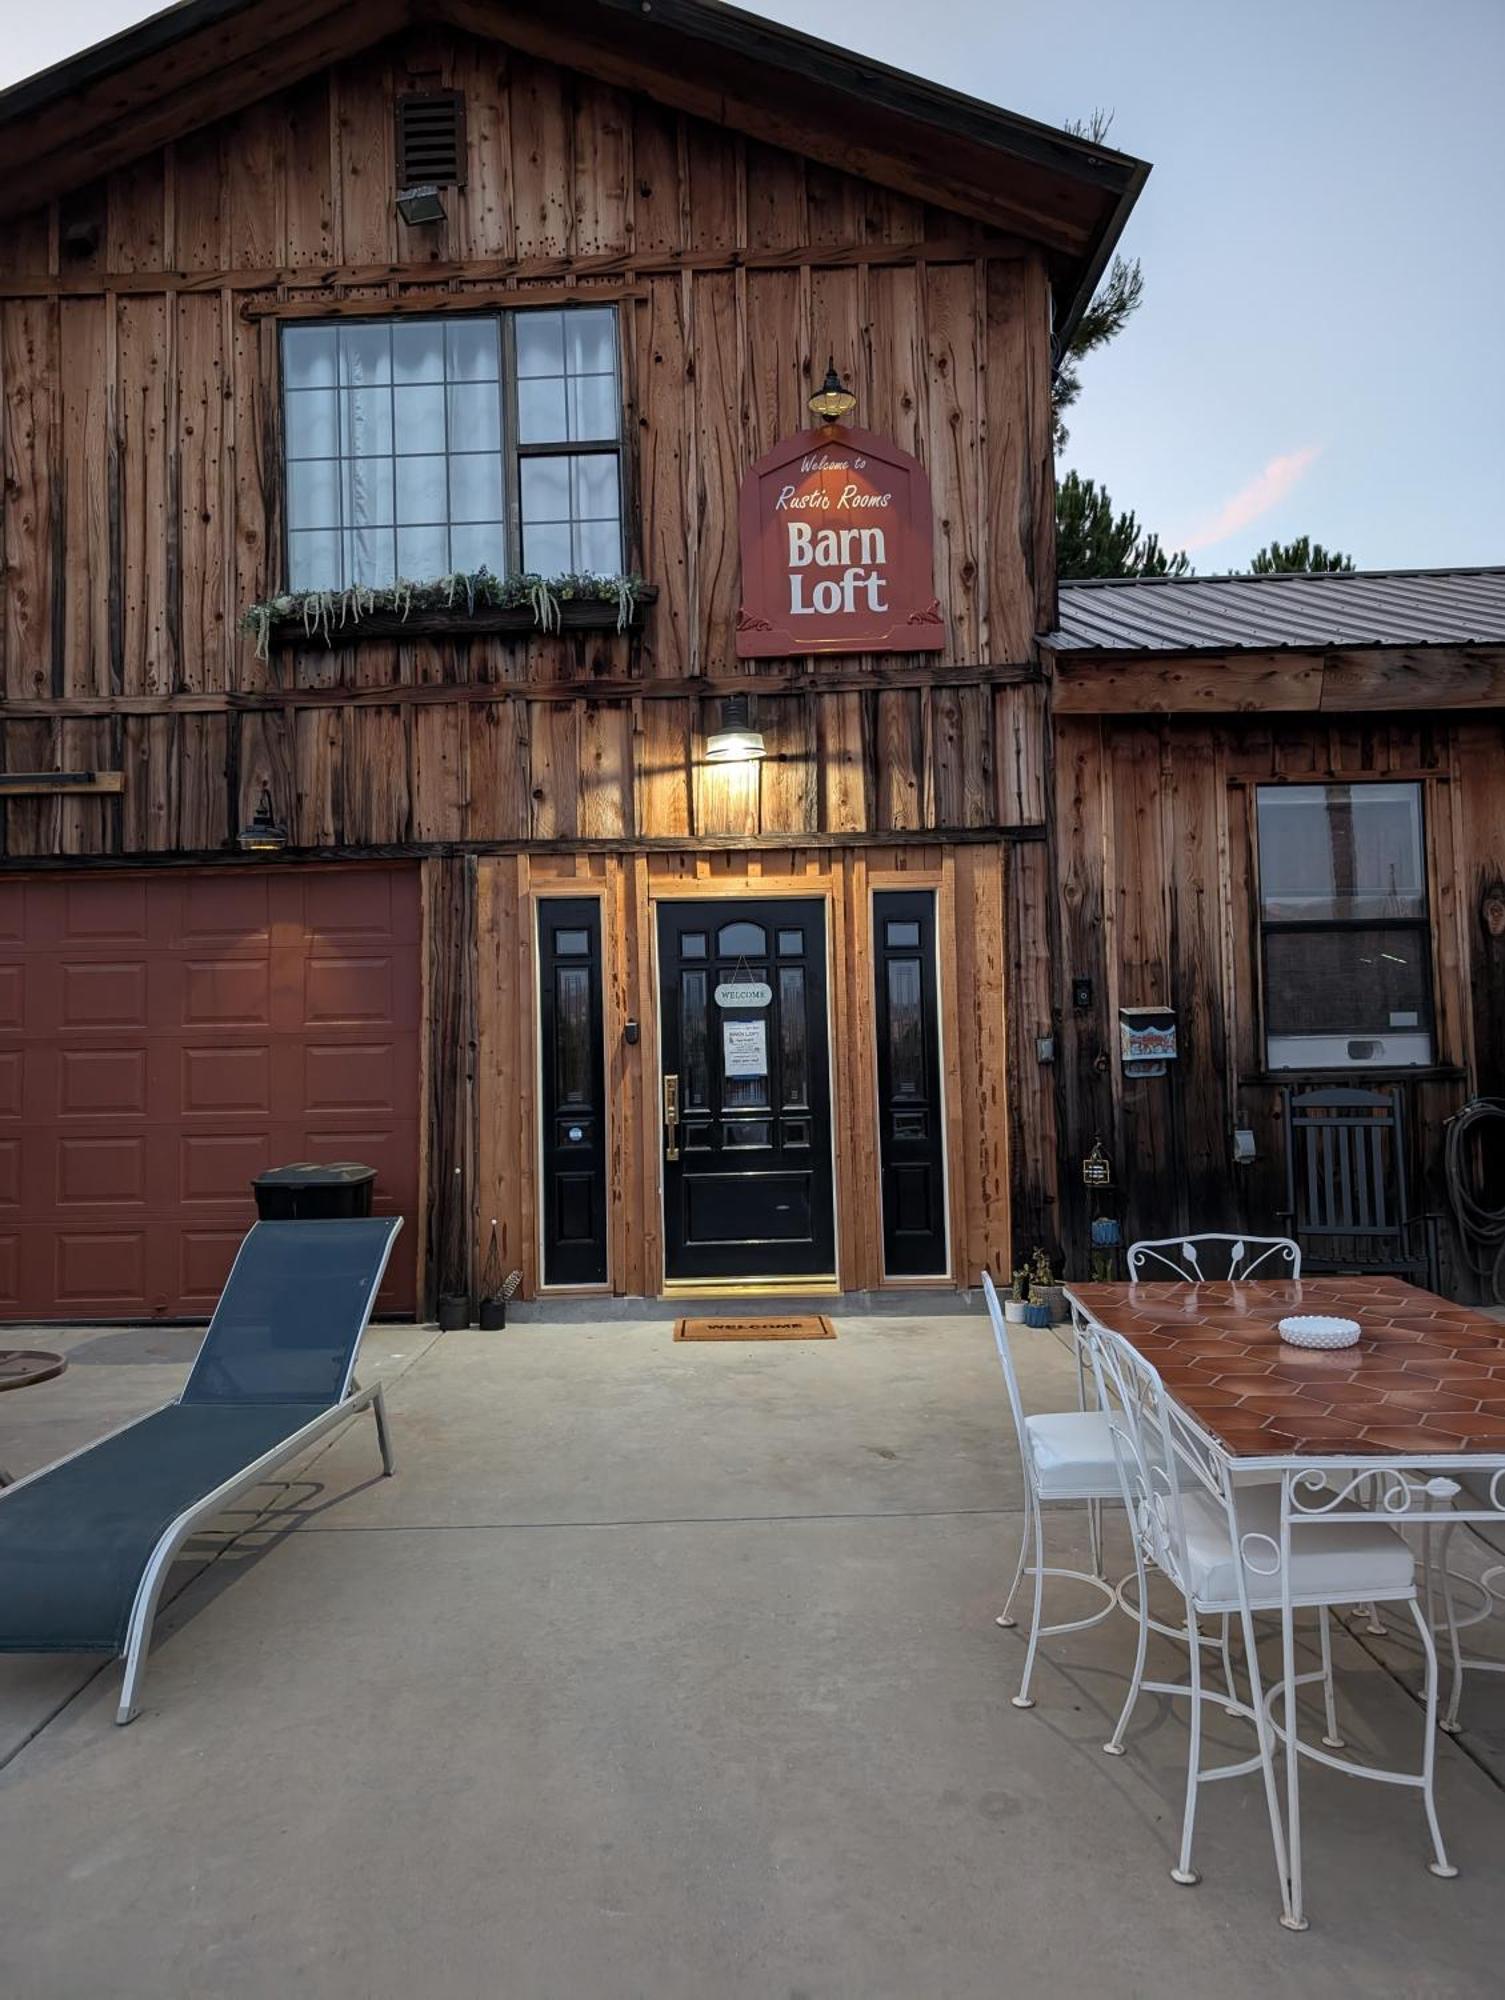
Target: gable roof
[[1229, 614], [203, 59]]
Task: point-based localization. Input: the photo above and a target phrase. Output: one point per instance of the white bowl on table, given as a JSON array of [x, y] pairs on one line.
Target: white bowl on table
[[1318, 1330]]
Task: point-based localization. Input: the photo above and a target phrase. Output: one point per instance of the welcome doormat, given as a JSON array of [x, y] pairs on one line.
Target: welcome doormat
[[797, 1326]]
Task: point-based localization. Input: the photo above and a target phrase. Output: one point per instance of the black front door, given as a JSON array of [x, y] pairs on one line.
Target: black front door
[[746, 1110]]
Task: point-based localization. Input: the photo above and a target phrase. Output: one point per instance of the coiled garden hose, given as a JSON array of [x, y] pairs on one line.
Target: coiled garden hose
[[1480, 1228]]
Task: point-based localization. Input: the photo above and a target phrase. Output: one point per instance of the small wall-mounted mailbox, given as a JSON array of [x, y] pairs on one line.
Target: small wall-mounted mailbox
[[1146, 1039]]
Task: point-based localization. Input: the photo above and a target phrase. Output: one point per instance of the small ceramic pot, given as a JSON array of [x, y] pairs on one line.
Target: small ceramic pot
[[1014, 1311], [1036, 1315], [1052, 1298]]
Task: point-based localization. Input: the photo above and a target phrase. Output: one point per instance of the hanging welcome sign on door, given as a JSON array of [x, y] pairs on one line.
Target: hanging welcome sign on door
[[836, 550]]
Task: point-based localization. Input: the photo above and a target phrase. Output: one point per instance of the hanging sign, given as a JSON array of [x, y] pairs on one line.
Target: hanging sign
[[744, 1048], [743, 993], [836, 550]]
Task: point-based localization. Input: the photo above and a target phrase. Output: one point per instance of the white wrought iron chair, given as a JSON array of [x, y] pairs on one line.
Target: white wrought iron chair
[[1066, 1455], [1195, 1261], [1481, 1491], [1238, 1550]]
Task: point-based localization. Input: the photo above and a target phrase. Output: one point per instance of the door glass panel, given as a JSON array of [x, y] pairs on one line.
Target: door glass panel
[[791, 944], [692, 944], [572, 1033], [906, 1029], [694, 1082], [902, 936], [572, 944], [744, 1133], [735, 940], [794, 1060]]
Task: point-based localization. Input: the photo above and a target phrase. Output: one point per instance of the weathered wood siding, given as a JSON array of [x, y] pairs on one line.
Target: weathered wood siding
[[1152, 861], [970, 883], [142, 472]]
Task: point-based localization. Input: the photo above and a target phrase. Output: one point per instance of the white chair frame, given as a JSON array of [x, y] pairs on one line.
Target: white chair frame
[[1161, 1457], [1178, 1258], [1033, 1534], [1490, 1588]]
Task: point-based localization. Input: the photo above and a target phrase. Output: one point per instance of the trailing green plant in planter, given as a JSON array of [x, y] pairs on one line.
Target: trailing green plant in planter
[[320, 614]]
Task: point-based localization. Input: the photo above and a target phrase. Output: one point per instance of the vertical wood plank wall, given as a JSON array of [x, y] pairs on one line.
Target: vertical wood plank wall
[[971, 885], [1152, 858]]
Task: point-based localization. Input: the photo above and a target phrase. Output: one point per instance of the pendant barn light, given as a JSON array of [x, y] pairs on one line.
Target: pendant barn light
[[831, 402], [736, 741], [264, 835]]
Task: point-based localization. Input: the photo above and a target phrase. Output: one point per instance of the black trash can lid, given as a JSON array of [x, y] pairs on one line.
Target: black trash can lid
[[340, 1173]]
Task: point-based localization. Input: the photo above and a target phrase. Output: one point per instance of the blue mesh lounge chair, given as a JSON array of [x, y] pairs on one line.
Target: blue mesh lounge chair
[[86, 1544]]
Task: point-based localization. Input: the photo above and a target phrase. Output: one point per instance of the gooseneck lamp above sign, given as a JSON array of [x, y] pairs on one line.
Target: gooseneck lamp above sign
[[736, 741]]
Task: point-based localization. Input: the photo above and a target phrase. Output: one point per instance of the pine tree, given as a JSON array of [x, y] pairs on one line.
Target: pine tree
[[1302, 554], [1091, 540]]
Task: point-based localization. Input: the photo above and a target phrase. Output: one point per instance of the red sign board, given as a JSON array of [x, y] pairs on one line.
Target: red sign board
[[836, 554]]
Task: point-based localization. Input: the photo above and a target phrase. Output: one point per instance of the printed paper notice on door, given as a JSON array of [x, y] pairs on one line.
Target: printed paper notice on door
[[744, 1048]]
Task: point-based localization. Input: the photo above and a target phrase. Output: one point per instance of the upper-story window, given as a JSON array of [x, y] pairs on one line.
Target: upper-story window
[[419, 447], [1347, 944]]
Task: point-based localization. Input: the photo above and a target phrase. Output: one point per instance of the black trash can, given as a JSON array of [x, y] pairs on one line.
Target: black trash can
[[307, 1193]]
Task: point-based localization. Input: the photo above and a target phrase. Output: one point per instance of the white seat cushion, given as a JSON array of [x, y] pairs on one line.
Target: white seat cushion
[[1330, 1563], [1073, 1455]]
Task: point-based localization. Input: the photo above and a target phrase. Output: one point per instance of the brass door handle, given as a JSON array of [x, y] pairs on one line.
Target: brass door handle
[[671, 1117]]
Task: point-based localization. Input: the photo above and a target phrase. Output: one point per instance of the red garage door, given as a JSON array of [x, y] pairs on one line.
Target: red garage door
[[164, 1038]]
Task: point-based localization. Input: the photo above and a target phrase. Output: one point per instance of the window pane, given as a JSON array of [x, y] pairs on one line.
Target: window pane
[[906, 1030], [422, 490], [418, 417], [590, 341], [365, 354], [368, 493], [308, 357], [418, 351], [1341, 851], [313, 493], [366, 423], [540, 410], [598, 548], [546, 489], [547, 549], [478, 547], [737, 940], [313, 561], [475, 487], [312, 424], [593, 405], [594, 487], [370, 557], [475, 416], [540, 343], [1348, 982], [422, 553], [473, 351]]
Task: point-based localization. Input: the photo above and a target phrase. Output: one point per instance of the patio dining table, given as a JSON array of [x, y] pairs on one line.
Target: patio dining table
[[1384, 1429]]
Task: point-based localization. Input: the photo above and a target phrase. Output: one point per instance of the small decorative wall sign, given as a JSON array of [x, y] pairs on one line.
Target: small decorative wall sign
[[836, 549], [744, 1048], [1146, 1039], [743, 993]]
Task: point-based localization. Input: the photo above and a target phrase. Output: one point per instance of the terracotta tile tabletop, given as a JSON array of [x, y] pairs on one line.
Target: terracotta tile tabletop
[[1426, 1376]]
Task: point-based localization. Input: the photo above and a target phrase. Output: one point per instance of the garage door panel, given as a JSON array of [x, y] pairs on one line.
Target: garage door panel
[[95, 1171], [176, 1046], [100, 1083]]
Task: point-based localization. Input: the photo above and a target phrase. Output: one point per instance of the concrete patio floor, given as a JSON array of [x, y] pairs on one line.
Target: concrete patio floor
[[671, 1671]]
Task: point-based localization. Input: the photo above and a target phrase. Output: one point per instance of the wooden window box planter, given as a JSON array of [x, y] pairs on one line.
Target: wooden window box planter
[[575, 614]]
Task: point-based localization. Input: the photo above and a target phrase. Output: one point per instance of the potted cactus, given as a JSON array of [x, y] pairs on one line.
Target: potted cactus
[[1018, 1299], [1044, 1290]]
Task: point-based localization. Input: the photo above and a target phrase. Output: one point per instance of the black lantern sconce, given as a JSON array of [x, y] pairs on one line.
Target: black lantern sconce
[[265, 834], [831, 402]]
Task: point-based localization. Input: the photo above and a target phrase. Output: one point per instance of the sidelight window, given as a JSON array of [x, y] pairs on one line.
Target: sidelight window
[[418, 447], [1344, 926]]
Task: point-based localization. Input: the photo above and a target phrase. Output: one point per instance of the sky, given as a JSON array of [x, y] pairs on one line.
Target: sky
[[1323, 243]]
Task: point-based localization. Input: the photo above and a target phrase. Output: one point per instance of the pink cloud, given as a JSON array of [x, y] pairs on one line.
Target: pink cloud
[[1266, 490]]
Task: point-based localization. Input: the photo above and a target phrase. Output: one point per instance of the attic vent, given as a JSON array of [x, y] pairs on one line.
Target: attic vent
[[431, 139]]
